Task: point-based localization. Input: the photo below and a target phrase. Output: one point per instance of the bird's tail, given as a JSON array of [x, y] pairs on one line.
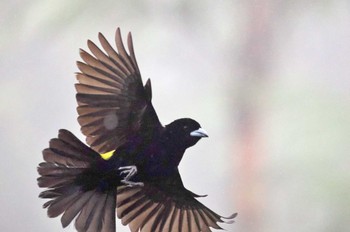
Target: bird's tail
[[68, 175]]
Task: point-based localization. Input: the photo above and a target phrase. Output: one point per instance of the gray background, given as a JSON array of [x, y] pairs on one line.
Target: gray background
[[269, 80]]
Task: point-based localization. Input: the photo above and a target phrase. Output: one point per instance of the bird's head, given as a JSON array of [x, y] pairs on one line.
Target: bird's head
[[185, 132]]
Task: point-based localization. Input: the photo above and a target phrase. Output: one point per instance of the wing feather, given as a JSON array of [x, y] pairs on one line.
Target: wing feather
[[110, 95], [123, 57], [121, 67], [153, 208]]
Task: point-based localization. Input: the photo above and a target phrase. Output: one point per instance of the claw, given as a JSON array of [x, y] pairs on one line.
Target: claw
[[130, 171], [124, 172]]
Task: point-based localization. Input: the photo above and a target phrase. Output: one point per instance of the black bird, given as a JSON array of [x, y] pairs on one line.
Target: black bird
[[132, 162]]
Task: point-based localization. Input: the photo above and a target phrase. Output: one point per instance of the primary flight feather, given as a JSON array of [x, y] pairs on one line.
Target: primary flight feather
[[131, 167]]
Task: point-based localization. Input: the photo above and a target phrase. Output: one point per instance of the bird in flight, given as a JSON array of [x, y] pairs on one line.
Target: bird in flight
[[130, 168]]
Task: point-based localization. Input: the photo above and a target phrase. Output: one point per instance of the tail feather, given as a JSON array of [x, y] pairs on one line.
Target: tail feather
[[56, 192], [67, 162], [55, 181], [109, 215], [96, 217], [103, 216], [58, 170], [67, 150], [61, 203], [84, 219], [67, 137], [72, 211]]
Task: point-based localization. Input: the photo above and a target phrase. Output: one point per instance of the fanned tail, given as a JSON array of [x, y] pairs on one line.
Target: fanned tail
[[72, 186]]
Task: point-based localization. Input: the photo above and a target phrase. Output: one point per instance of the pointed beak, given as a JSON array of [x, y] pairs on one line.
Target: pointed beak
[[199, 133]]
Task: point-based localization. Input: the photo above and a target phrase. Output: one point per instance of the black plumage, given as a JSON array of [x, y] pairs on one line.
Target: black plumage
[[117, 117]]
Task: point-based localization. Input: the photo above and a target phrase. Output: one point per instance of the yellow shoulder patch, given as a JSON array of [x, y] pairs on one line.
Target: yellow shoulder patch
[[107, 155]]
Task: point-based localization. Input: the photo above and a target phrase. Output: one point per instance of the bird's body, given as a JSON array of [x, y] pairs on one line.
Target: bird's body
[[156, 157], [132, 162]]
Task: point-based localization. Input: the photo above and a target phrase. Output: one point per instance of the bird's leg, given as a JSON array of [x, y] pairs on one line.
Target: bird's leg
[[132, 183], [130, 171]]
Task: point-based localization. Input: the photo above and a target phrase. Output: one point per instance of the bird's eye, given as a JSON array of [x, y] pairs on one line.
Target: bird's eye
[[185, 127]]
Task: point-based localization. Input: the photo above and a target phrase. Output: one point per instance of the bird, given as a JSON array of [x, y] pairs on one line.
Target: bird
[[129, 167]]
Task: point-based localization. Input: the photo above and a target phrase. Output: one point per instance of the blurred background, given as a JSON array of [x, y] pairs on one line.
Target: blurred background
[[269, 80]]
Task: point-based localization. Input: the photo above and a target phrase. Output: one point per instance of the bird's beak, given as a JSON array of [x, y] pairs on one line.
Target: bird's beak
[[199, 133]]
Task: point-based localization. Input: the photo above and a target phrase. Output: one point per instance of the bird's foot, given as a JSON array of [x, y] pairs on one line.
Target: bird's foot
[[132, 184], [129, 171]]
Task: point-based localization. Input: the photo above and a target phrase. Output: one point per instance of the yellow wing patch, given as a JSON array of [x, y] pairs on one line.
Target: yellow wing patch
[[107, 155]]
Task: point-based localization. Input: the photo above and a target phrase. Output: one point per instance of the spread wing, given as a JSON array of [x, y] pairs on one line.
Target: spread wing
[[172, 208], [113, 104]]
